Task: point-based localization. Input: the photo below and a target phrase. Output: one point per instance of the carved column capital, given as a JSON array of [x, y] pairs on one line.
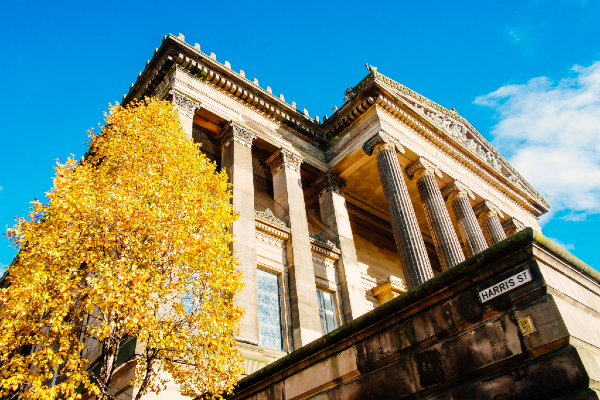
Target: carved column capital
[[329, 182], [513, 226], [456, 189], [184, 103], [487, 209], [420, 167], [284, 159], [236, 133], [382, 140]]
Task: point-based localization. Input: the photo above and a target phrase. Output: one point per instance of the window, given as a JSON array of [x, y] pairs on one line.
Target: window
[[326, 311], [269, 311]]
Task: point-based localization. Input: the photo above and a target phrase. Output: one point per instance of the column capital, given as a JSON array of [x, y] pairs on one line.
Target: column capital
[[237, 133], [487, 209], [284, 159], [420, 167], [456, 189], [184, 102], [329, 182], [382, 138], [513, 226]]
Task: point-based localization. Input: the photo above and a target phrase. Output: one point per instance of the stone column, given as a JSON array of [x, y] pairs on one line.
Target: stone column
[[458, 197], [444, 236], [487, 213], [290, 207], [513, 226], [336, 227], [236, 142], [186, 107], [409, 241]]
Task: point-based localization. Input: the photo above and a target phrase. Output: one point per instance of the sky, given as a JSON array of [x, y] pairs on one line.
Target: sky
[[525, 74]]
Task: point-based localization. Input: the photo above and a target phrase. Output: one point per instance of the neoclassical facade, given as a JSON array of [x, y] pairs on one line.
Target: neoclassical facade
[[340, 213]]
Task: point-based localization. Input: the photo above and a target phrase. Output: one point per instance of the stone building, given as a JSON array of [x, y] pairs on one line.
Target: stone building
[[339, 214]]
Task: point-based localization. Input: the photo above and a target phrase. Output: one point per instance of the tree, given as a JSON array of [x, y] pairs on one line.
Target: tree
[[132, 246]]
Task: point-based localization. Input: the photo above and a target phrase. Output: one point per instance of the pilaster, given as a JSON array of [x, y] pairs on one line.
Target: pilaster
[[487, 214], [409, 241], [236, 143], [336, 227], [290, 207], [186, 107], [443, 233], [458, 195]]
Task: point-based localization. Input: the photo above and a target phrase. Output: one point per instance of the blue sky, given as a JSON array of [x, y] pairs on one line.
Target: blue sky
[[525, 74]]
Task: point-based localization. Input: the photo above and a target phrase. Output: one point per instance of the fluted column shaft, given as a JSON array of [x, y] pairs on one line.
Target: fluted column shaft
[[490, 223], [409, 241], [467, 222], [444, 236], [470, 231]]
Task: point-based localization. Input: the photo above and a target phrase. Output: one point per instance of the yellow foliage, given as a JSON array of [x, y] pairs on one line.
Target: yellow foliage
[[133, 242]]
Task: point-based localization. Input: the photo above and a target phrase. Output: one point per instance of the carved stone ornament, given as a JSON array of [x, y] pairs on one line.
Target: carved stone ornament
[[486, 209], [513, 226], [380, 138], [237, 133], [329, 182], [319, 238], [420, 167], [284, 159], [268, 216], [389, 289], [183, 102], [456, 188]]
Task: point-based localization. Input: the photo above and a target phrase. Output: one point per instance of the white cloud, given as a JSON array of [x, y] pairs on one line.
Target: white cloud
[[550, 132]]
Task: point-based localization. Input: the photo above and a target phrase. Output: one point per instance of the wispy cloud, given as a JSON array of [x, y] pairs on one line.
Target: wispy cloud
[[514, 33], [1, 189], [551, 134]]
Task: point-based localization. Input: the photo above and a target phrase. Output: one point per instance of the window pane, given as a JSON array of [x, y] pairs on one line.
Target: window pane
[[331, 325], [269, 311], [328, 301], [326, 311]]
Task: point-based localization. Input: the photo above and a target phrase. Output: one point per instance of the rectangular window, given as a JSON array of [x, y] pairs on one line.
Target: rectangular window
[[326, 311], [269, 311]]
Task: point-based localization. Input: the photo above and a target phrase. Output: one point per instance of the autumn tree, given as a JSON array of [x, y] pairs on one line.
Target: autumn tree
[[131, 246]]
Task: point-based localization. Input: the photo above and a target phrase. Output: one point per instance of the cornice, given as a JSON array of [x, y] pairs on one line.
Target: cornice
[[174, 52], [414, 109]]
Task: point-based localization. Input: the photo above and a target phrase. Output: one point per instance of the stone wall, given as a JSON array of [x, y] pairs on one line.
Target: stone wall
[[440, 341], [376, 263]]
